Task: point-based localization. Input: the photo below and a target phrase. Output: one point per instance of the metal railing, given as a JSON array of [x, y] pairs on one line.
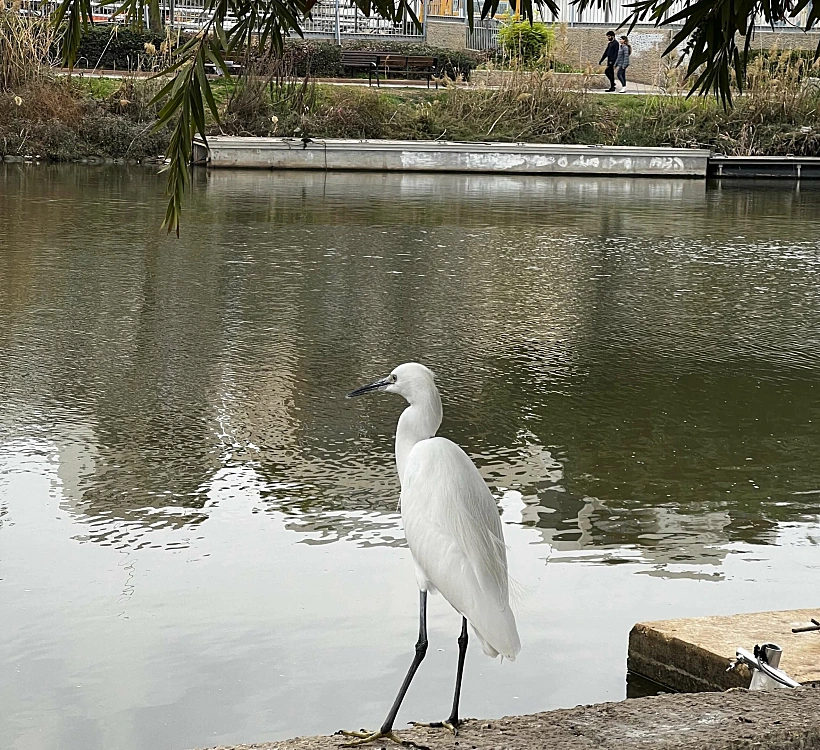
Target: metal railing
[[484, 34], [329, 19], [612, 14], [332, 19]]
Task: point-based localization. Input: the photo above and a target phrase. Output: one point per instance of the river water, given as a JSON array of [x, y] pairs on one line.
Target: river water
[[199, 539]]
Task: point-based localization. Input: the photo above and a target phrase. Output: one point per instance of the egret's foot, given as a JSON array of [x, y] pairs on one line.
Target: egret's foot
[[451, 725], [362, 738]]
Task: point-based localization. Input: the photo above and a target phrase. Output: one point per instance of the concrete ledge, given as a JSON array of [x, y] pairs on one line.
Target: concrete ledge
[[691, 655], [448, 156], [739, 720]]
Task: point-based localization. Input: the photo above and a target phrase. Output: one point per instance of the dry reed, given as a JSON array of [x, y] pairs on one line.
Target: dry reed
[[26, 47]]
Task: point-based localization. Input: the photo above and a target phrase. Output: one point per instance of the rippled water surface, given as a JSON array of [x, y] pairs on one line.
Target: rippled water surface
[[199, 539]]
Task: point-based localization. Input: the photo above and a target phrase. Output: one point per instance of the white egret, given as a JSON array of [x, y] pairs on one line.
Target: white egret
[[453, 530]]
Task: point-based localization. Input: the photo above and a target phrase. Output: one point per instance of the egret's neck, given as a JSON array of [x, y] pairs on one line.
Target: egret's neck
[[419, 421]]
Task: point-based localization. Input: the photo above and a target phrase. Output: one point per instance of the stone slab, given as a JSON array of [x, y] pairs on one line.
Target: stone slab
[[448, 156], [691, 655], [738, 720]]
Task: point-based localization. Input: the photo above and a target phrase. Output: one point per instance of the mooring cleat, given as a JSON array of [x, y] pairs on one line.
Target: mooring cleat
[[363, 737]]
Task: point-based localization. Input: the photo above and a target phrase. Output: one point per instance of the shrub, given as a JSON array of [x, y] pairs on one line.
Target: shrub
[[270, 100], [322, 59], [353, 113], [122, 48], [453, 63], [103, 133], [56, 120], [317, 58], [134, 99], [526, 42]]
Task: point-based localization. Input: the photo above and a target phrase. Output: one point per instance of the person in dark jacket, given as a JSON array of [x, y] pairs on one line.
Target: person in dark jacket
[[610, 55], [622, 61]]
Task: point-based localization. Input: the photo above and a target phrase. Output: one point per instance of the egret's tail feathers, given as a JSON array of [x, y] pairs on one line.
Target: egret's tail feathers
[[499, 637], [518, 592], [488, 649]]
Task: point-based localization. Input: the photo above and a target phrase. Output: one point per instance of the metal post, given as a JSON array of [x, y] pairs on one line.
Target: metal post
[[338, 29], [172, 4], [425, 9]]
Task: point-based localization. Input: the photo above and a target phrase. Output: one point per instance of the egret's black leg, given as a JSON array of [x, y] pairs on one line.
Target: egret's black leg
[[453, 721], [421, 650], [386, 731]]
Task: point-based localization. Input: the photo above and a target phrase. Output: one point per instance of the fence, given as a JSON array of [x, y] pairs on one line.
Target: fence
[[484, 34], [335, 19], [615, 11], [329, 19]]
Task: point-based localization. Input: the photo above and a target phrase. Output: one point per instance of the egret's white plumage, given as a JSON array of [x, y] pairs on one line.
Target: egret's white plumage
[[454, 533], [452, 528]]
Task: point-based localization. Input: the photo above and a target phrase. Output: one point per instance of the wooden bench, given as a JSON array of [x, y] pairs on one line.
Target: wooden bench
[[409, 65], [368, 61], [384, 64], [234, 68]]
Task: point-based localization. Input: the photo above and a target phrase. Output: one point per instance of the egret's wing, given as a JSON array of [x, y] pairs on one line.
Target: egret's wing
[[454, 532]]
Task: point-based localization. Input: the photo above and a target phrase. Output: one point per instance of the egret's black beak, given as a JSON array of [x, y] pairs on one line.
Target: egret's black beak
[[377, 386]]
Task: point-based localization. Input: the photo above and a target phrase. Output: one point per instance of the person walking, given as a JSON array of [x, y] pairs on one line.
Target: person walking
[[622, 61], [610, 55]]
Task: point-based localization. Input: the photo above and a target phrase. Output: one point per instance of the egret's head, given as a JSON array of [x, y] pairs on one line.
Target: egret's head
[[411, 380]]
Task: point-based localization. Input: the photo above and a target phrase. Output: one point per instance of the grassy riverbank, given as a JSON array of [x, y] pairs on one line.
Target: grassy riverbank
[[61, 119]]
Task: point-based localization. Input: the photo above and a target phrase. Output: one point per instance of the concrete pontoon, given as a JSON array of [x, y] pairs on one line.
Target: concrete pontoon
[[448, 156]]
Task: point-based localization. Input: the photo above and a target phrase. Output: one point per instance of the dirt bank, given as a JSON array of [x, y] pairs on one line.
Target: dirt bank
[[735, 720]]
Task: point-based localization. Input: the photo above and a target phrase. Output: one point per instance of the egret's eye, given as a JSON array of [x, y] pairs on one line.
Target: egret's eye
[[393, 377]]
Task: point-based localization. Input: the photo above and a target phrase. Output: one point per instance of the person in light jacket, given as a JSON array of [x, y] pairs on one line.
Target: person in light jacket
[[610, 55], [622, 61]]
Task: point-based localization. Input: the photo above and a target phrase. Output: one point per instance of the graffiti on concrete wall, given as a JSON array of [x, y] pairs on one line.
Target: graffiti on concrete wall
[[535, 162], [666, 162], [645, 42]]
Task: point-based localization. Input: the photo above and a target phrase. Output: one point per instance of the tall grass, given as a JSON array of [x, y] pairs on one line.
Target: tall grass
[[26, 47], [271, 98], [777, 114], [529, 106]]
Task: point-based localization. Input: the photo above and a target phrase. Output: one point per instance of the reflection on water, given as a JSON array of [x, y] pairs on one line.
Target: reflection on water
[[633, 364]]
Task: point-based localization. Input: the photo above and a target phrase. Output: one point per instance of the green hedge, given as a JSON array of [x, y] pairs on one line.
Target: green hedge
[[116, 48], [322, 58], [125, 50]]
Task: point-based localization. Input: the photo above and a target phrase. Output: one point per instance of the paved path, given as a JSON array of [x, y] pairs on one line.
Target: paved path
[[632, 88], [737, 720]]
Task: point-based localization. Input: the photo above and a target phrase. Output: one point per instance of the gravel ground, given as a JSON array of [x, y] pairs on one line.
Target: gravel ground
[[735, 720]]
